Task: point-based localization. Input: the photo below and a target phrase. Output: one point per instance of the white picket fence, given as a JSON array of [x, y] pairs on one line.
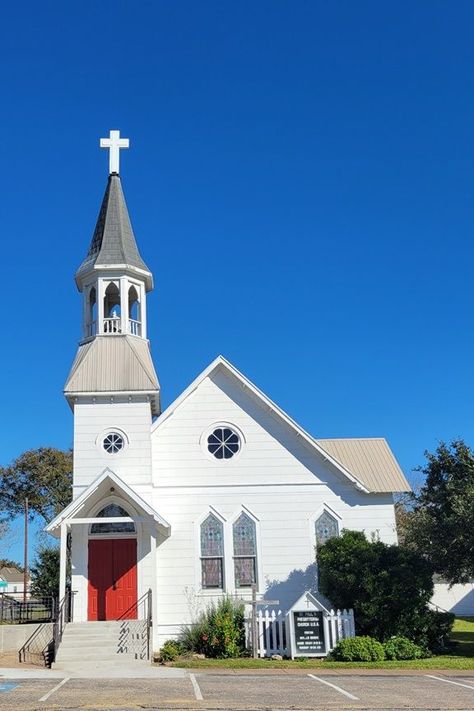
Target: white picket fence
[[273, 632]]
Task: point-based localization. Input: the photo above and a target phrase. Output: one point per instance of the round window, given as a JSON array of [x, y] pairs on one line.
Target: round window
[[113, 442], [223, 443]]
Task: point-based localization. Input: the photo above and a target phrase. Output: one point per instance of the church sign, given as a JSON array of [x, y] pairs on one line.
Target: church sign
[[308, 632], [309, 625]]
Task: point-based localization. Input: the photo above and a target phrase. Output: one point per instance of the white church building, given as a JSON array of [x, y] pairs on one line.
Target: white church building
[[219, 491]]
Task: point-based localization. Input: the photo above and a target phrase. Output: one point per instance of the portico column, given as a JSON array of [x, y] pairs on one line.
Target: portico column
[[154, 595], [63, 561]]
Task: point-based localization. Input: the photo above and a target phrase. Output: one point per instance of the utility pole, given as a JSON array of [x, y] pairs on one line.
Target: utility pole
[[25, 561]]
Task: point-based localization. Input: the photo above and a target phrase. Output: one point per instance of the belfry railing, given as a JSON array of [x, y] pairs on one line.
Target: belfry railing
[[112, 325]]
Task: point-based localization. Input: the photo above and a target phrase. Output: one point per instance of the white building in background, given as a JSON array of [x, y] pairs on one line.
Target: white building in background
[[12, 581], [217, 492]]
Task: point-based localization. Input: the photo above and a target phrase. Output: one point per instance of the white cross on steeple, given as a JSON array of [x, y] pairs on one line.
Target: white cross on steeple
[[114, 143]]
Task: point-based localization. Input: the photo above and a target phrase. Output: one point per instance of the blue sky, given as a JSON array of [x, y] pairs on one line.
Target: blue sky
[[300, 181]]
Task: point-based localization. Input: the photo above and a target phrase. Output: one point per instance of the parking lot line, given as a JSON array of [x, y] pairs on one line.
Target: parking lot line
[[58, 686], [448, 681], [197, 690], [333, 686]]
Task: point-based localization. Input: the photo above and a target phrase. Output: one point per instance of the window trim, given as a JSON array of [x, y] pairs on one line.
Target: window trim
[[323, 509], [253, 557], [103, 434], [209, 430], [207, 589]]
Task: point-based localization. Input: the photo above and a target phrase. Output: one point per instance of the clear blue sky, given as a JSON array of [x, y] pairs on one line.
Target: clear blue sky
[[300, 181]]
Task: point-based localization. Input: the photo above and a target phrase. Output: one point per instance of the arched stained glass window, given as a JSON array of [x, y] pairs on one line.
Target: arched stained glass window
[[113, 511], [245, 551], [326, 527], [212, 552]]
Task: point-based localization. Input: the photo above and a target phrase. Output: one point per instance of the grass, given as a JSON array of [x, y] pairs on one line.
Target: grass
[[461, 657]]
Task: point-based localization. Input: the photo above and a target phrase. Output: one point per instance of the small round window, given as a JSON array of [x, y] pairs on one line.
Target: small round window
[[223, 443], [113, 443]]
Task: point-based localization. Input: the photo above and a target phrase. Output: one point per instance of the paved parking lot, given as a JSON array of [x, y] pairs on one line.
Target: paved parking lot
[[243, 692]]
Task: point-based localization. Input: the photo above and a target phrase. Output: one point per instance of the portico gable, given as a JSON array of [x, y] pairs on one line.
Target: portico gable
[[89, 515]]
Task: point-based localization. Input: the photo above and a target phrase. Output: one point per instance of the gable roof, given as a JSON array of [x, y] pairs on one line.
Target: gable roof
[[371, 460], [113, 364], [11, 575], [348, 472], [106, 478], [113, 242]]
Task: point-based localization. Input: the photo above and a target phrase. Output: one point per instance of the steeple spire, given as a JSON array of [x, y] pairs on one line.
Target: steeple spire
[[113, 243]]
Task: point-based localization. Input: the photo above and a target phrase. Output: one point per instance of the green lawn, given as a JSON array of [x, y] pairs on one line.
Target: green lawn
[[461, 657]]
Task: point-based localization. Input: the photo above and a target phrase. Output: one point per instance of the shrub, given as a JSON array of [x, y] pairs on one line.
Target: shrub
[[403, 648], [219, 631], [388, 587], [434, 630], [358, 649], [170, 650]]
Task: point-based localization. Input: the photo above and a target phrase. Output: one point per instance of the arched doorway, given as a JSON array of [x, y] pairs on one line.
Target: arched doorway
[[112, 567]]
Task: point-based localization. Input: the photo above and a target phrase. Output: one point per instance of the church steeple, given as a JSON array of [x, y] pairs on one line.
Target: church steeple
[[113, 277], [114, 354]]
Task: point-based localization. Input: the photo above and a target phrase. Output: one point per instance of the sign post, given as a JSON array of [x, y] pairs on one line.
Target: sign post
[[253, 620]]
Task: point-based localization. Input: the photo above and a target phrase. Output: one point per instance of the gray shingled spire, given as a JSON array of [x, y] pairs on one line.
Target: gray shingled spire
[[113, 242]]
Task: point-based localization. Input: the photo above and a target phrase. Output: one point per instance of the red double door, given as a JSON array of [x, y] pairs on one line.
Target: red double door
[[112, 588]]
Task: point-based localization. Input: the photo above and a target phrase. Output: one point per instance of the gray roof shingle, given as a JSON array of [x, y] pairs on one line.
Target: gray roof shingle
[[113, 241]]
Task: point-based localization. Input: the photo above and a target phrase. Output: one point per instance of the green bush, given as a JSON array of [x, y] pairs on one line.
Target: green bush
[[358, 649], [219, 631], [403, 648], [434, 630], [171, 650], [388, 586]]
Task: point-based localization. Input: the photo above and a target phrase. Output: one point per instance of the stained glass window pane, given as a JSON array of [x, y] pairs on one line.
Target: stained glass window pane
[[244, 572], [211, 572], [244, 536], [326, 528], [109, 511], [212, 537]]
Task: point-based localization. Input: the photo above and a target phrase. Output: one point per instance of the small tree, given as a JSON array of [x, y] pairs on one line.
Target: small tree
[[44, 476], [45, 572], [388, 586], [441, 526]]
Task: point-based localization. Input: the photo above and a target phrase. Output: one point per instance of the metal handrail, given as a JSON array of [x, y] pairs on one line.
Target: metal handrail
[[145, 602], [15, 610], [43, 652], [63, 617]]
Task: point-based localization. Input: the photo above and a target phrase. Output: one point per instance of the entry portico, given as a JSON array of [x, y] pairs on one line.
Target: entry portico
[[116, 534]]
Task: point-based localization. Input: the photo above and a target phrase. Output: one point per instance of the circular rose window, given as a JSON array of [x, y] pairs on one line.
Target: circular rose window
[[113, 443], [223, 443]]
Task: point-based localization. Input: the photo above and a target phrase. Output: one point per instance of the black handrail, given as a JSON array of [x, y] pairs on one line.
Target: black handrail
[[63, 617], [143, 602]]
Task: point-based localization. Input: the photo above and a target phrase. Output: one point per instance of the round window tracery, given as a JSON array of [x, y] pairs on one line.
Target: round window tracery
[[113, 442], [223, 443]]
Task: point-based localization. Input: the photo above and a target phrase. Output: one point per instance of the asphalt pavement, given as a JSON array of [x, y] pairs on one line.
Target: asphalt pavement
[[242, 692]]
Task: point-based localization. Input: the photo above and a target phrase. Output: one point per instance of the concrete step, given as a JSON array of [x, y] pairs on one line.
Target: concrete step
[[95, 665], [93, 635], [66, 656], [100, 624], [91, 643]]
